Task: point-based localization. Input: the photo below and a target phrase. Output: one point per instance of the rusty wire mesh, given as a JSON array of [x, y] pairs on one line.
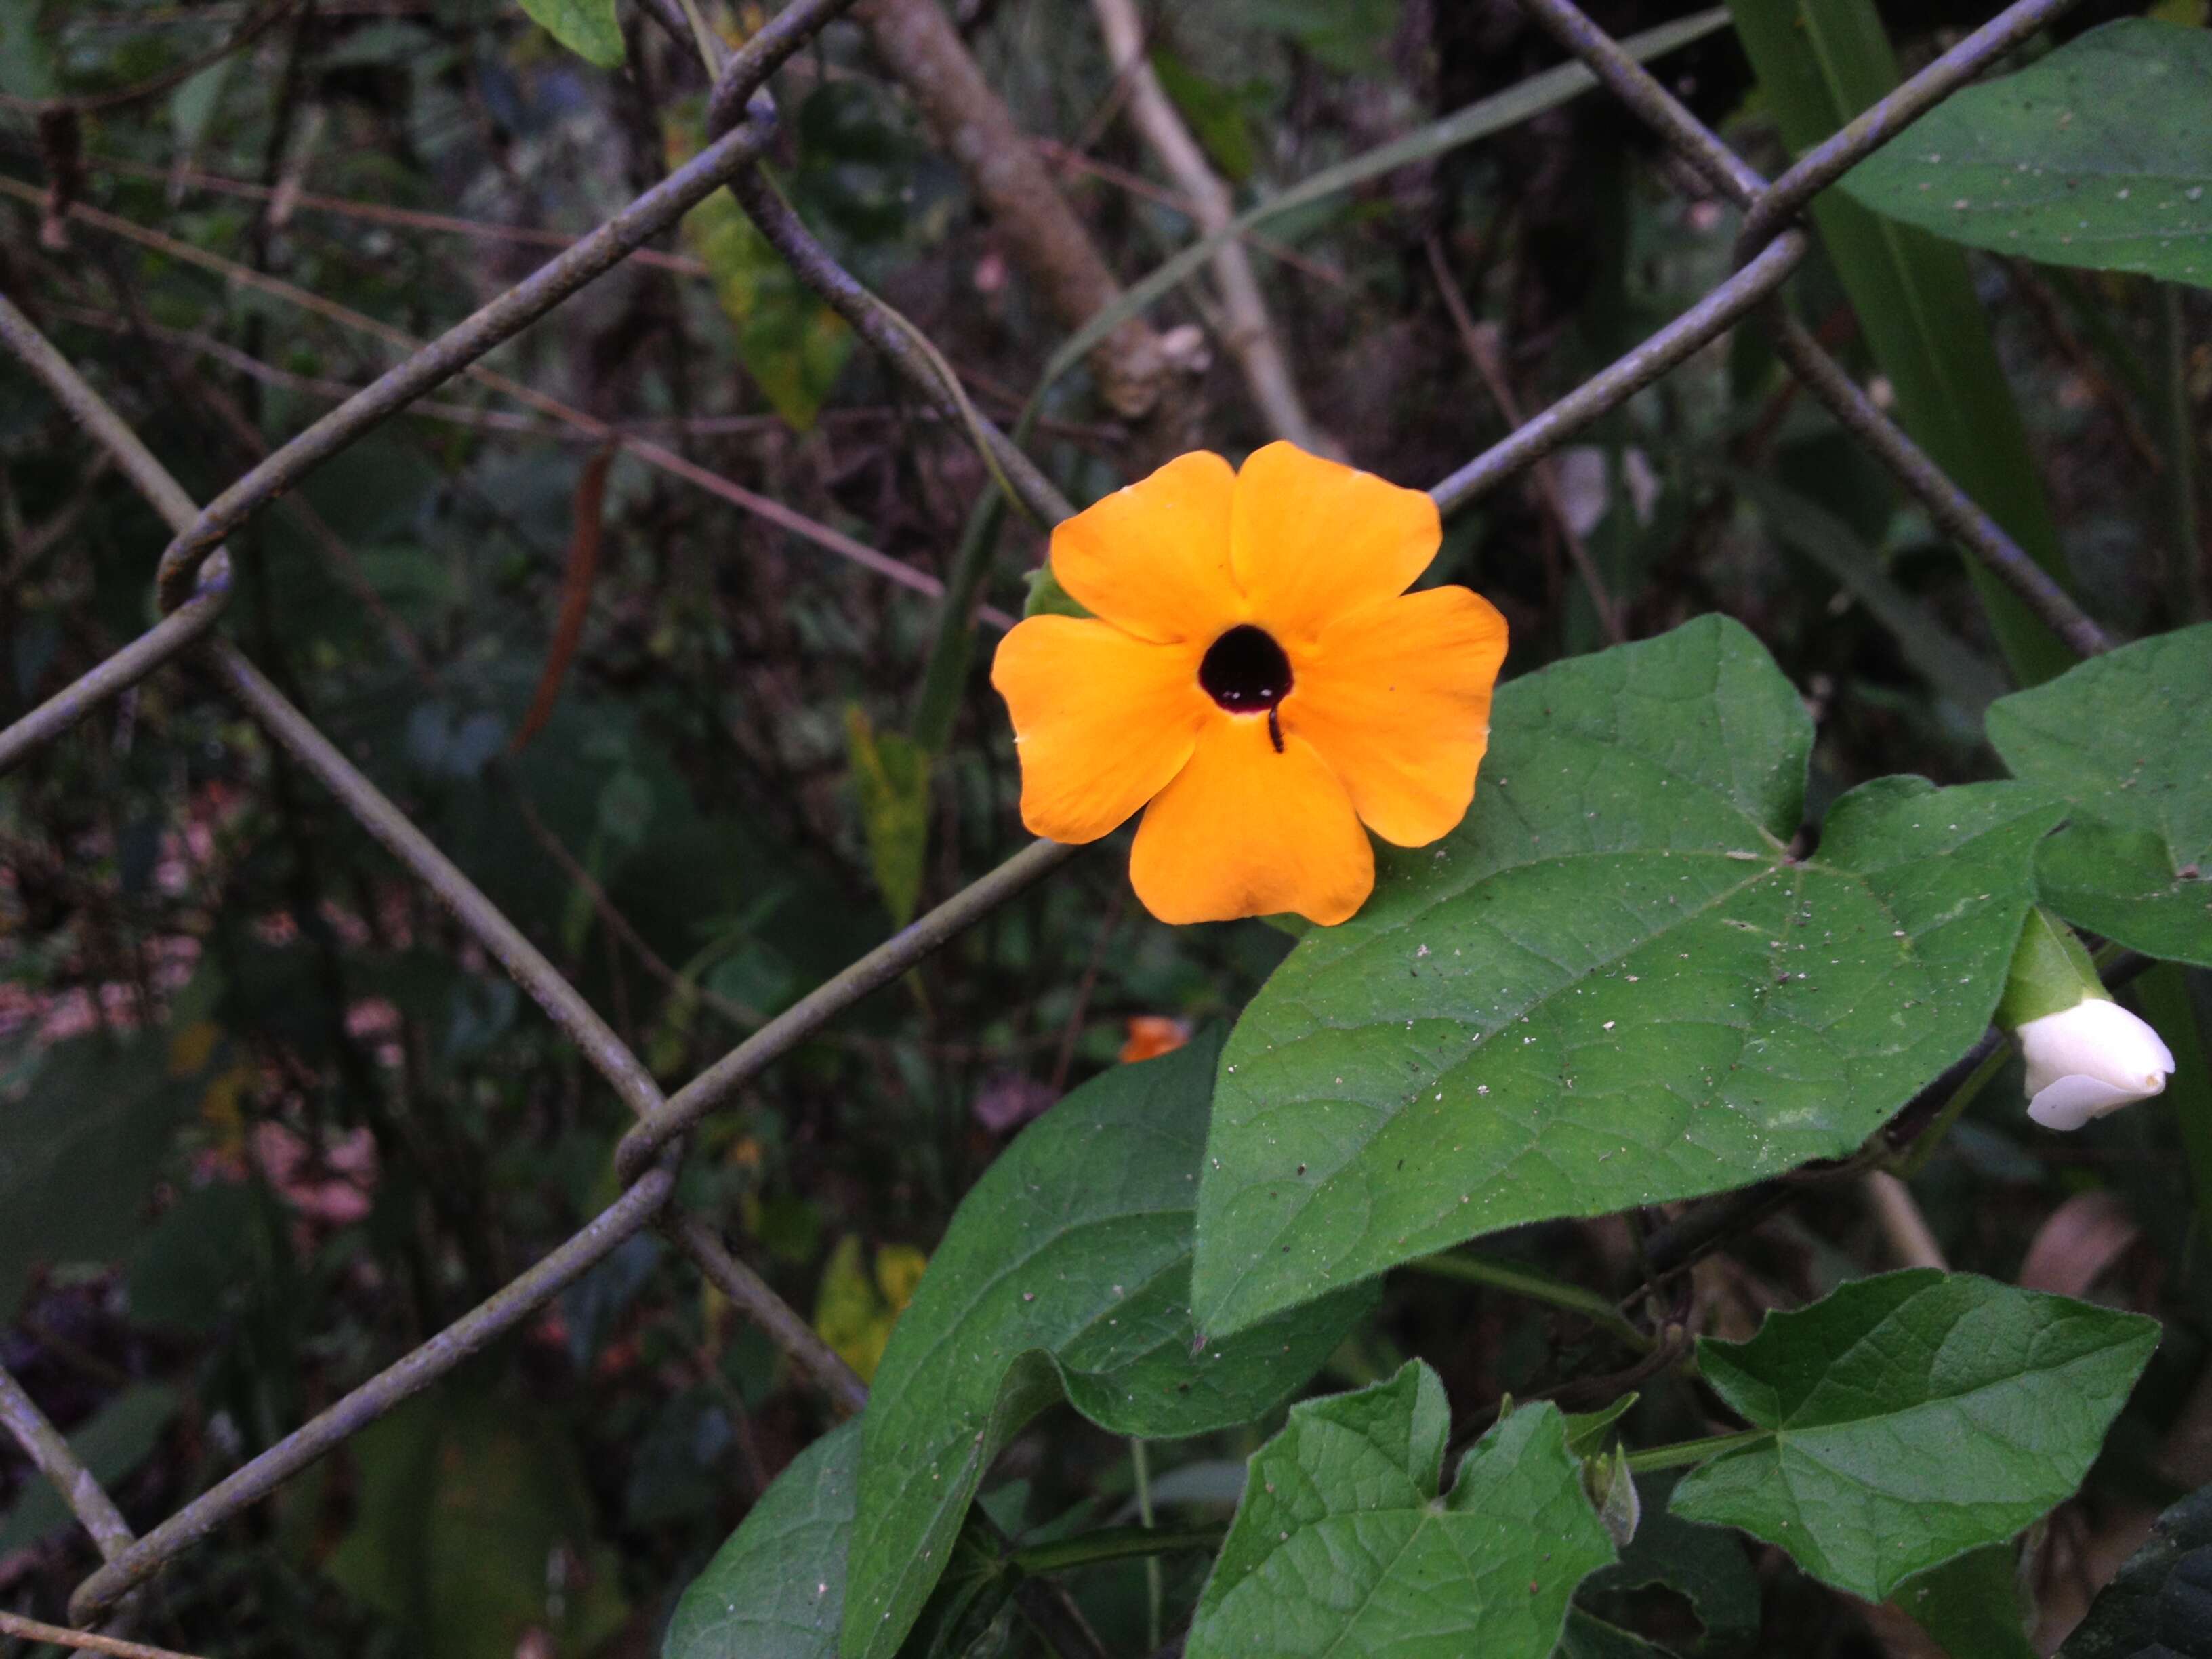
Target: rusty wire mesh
[[193, 585]]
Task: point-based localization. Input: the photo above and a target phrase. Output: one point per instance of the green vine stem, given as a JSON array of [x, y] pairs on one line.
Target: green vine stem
[[1683, 1452], [1114, 1544], [1140, 1465], [1471, 1269]]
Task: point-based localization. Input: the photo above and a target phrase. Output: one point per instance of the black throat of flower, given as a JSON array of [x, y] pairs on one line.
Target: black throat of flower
[[1245, 671]]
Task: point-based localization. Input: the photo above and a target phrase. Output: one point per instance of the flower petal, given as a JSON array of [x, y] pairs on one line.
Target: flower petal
[[1311, 539], [1153, 557], [1396, 698], [2068, 1102], [1244, 831], [1101, 720], [2095, 1038]]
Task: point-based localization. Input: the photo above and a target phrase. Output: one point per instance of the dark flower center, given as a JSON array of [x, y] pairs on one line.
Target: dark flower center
[[1245, 671]]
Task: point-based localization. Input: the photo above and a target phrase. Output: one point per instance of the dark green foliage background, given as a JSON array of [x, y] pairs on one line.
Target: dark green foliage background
[[269, 1119]]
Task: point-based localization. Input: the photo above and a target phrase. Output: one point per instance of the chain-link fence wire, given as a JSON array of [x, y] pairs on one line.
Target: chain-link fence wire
[[193, 586]]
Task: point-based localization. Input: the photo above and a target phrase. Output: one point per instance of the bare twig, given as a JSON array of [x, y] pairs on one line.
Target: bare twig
[[1074, 160], [1052, 1612], [2031, 287], [32, 1630], [168, 16], [918, 44], [680, 265], [1249, 331], [380, 213], [1481, 341], [493, 419], [737, 1014], [36, 541], [1072, 1030], [1902, 1224], [896, 338], [653, 454]]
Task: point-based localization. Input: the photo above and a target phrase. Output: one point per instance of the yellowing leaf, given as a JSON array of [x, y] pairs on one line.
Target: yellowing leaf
[[791, 342], [854, 1313], [898, 1270], [192, 1047], [219, 1108]]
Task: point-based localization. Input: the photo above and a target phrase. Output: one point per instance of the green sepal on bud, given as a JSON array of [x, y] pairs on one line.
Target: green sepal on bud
[[2084, 1055], [2050, 973], [1611, 1487], [1047, 598]]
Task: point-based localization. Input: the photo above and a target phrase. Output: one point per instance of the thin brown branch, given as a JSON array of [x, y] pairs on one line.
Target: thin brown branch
[[2044, 304], [1249, 330], [1898, 1215], [166, 16], [1069, 158], [1480, 340], [619, 924], [653, 454], [1062, 155], [1072, 1032], [493, 419], [1051, 1611], [918, 43], [84, 1641], [334, 547], [36, 541], [378, 213]]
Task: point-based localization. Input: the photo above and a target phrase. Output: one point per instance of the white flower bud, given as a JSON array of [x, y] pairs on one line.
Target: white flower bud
[[2089, 1060]]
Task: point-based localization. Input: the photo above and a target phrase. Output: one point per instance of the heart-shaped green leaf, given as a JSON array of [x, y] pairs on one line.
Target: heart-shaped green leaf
[[777, 1589], [2099, 154], [2122, 738], [1064, 1273], [1914, 1416], [1343, 1545], [1611, 985]]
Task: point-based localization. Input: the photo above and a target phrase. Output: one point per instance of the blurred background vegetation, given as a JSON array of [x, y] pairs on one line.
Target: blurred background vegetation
[[268, 1118]]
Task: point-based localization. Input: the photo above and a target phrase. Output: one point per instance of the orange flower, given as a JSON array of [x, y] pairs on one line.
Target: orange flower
[[1152, 1035], [1255, 670]]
